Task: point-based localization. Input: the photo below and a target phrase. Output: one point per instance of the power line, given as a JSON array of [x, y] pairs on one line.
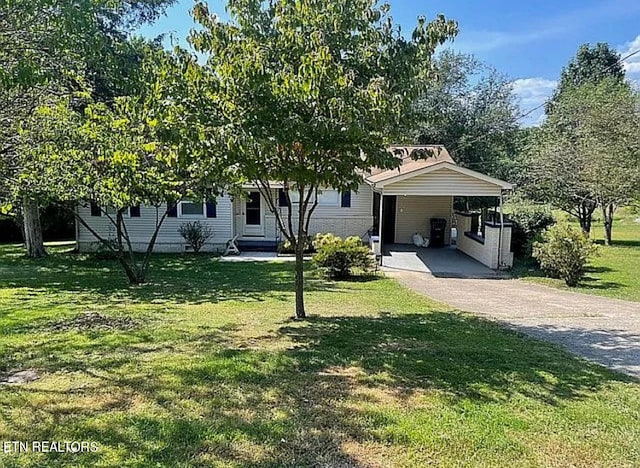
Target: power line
[[539, 106], [620, 60]]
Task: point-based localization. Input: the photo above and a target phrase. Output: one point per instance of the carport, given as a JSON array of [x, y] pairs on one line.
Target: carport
[[446, 262], [419, 190]]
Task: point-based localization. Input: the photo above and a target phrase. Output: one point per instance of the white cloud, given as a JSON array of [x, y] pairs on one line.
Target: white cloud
[[531, 93], [632, 64], [579, 19]]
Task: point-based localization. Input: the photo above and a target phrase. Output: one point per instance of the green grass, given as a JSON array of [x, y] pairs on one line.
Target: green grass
[[614, 272], [214, 372]]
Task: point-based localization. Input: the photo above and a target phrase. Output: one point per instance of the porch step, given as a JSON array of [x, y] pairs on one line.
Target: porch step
[[257, 245]]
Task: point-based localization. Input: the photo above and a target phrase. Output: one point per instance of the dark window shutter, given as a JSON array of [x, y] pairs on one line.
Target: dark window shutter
[[172, 210], [282, 198], [95, 209], [134, 211], [346, 200], [211, 209]]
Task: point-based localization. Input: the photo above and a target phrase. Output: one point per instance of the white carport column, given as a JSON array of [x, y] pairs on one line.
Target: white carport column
[[380, 219], [501, 229]]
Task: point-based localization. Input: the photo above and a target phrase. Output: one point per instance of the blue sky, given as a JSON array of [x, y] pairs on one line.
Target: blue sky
[[528, 41]]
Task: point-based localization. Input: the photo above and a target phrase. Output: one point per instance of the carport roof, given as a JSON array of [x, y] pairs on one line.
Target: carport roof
[[437, 158], [430, 154]]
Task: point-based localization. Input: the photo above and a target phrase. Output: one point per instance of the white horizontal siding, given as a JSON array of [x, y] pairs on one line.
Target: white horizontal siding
[[443, 182], [342, 221], [414, 213], [141, 229]]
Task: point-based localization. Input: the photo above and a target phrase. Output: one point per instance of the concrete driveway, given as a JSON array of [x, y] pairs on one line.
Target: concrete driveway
[[445, 262], [606, 331]]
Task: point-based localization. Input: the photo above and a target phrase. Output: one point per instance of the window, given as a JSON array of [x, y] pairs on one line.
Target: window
[[328, 198], [190, 209], [325, 197], [131, 212]]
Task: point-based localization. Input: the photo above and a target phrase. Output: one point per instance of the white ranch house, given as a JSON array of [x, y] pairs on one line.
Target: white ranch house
[[392, 204]]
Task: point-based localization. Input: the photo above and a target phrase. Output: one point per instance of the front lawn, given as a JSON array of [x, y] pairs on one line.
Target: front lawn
[[203, 366], [614, 272]]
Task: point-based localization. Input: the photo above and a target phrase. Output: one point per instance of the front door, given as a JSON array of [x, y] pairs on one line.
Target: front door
[[252, 215]]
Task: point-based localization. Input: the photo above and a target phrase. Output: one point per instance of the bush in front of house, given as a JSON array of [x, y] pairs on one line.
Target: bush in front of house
[[564, 252], [340, 258], [530, 221], [195, 234], [104, 252], [285, 246]]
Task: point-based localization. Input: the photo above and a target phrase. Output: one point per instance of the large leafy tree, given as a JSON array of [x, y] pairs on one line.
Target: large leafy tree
[[310, 92], [470, 108], [583, 157], [136, 150], [601, 122], [591, 64], [57, 48], [589, 151]]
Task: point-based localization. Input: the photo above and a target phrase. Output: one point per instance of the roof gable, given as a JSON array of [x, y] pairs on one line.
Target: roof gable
[[445, 168]]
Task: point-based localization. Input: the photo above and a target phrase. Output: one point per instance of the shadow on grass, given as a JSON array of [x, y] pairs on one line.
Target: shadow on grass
[[621, 242], [610, 346], [304, 405], [189, 279]]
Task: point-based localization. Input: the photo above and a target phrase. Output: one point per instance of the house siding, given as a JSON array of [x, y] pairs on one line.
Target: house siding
[[355, 220], [442, 182], [169, 240], [414, 213]]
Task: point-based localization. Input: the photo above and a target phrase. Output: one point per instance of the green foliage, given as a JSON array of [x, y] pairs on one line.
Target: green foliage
[[286, 247], [124, 153], [195, 233], [592, 64], [106, 250], [53, 54], [47, 40], [339, 258], [564, 252], [213, 374], [588, 151], [530, 221], [471, 110], [307, 93]]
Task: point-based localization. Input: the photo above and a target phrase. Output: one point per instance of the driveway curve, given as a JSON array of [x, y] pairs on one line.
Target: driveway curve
[[603, 330]]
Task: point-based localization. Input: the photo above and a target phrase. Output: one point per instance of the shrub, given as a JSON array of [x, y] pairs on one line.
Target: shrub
[[338, 258], [285, 246], [103, 252], [530, 221], [195, 233], [564, 252]]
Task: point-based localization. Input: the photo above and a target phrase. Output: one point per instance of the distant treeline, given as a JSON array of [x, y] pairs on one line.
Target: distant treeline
[[57, 224]]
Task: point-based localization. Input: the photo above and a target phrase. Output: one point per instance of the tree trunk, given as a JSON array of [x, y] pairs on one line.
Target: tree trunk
[[130, 270], [300, 312], [607, 217], [299, 246], [585, 216], [33, 240]]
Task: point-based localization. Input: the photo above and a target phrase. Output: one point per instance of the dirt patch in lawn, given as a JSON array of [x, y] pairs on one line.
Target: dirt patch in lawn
[[19, 377], [89, 321]]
